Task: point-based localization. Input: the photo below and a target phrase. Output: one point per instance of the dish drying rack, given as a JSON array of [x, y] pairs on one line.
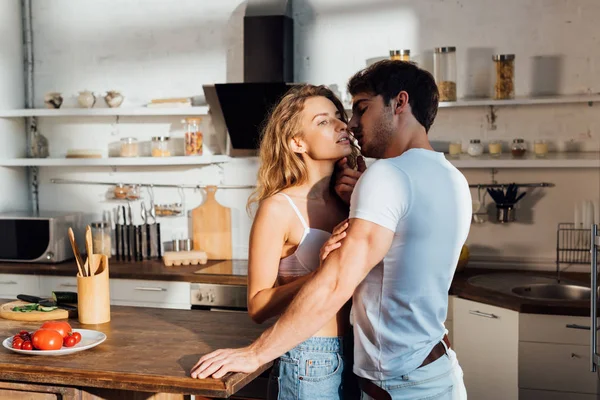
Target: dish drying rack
[[572, 245]]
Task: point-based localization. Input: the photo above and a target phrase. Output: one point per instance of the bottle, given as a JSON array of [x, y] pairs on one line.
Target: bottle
[[101, 238], [193, 137], [505, 76], [444, 72], [475, 148]]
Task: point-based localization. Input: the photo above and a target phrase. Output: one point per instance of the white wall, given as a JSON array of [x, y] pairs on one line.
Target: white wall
[[14, 192], [159, 48]]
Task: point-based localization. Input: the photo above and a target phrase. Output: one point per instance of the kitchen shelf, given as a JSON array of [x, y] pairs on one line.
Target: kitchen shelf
[[113, 161], [105, 112], [523, 101], [589, 159]]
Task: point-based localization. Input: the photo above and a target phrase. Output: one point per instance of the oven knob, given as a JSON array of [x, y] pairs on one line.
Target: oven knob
[[200, 296], [49, 255], [211, 297]]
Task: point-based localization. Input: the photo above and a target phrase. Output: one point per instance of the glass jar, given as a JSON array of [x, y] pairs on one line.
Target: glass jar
[[475, 148], [518, 148], [400, 55], [540, 148], [101, 238], [160, 146], [193, 137], [133, 192], [444, 72], [455, 149], [129, 147], [505, 76], [120, 191], [495, 148]]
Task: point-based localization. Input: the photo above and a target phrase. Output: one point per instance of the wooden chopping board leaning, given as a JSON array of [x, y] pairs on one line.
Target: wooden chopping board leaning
[[211, 227]]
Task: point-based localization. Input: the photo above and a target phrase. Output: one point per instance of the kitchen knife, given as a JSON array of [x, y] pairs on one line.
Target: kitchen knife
[[44, 302]]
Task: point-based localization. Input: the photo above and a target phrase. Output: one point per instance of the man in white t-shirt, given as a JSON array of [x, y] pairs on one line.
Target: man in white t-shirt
[[410, 214]]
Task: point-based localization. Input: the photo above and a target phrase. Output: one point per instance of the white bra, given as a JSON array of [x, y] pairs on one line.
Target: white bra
[[306, 257]]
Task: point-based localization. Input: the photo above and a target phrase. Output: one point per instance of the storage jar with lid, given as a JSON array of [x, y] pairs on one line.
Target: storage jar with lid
[[475, 148], [129, 147], [101, 238], [400, 55], [540, 148], [495, 148], [518, 148], [193, 137], [444, 72], [505, 76], [160, 146], [455, 149]]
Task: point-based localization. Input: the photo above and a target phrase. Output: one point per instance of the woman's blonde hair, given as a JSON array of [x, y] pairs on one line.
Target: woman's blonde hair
[[280, 167]]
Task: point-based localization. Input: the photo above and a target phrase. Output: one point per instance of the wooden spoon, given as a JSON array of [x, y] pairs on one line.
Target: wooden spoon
[[88, 248], [78, 258]]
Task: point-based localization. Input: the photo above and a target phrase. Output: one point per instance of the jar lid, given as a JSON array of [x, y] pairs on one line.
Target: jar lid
[[450, 49], [474, 141], [193, 119], [99, 224], [160, 138], [402, 52], [518, 140], [128, 139], [503, 57]]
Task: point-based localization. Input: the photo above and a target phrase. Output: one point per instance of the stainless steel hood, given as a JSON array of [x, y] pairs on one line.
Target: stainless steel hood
[[239, 110]]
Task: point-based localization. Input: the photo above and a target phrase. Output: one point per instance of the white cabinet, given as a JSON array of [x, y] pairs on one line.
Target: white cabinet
[[49, 284], [13, 284], [143, 293], [487, 344]]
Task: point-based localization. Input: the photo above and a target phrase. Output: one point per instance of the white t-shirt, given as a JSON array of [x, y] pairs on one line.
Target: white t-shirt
[[399, 309]]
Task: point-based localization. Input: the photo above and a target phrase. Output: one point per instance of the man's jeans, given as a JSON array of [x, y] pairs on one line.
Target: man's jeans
[[442, 379]]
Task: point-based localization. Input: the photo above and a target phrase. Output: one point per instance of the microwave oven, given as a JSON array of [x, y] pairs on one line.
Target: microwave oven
[[42, 237]]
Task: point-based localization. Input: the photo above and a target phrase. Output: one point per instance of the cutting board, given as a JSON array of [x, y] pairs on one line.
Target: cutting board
[[6, 312], [211, 227]]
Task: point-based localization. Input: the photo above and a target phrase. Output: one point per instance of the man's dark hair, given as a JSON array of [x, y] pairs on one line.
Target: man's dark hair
[[389, 77]]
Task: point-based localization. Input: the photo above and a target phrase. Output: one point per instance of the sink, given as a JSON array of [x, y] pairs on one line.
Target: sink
[[553, 291]]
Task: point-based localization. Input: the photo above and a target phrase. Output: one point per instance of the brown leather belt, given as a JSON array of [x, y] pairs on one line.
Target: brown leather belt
[[377, 393]]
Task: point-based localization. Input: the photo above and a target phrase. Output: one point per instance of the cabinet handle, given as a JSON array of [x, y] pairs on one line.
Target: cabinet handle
[[573, 355], [8, 283], [577, 326], [482, 314], [151, 289], [68, 285]]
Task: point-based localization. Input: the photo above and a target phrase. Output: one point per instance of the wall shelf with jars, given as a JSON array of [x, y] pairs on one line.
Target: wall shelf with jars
[[590, 159], [114, 161], [106, 112]]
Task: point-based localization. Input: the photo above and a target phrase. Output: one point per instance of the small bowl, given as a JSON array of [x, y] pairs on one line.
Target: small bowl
[[53, 100], [113, 98]]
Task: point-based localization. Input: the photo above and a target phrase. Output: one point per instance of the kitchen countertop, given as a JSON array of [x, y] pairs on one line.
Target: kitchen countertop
[[149, 350]]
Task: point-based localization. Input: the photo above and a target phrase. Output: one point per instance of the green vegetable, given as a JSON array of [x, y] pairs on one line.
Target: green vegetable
[[65, 297], [33, 307]]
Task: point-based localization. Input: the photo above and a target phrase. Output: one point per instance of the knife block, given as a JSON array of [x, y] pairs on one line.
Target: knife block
[[93, 294]]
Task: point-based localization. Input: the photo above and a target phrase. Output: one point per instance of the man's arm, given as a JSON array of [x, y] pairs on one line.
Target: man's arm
[[316, 303]]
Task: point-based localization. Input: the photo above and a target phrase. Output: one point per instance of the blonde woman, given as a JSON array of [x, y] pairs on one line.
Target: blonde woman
[[297, 213]]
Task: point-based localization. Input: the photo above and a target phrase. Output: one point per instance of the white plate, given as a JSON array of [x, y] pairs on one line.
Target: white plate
[[89, 339]]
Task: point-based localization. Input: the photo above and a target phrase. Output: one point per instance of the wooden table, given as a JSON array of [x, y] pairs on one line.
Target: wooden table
[[148, 353]]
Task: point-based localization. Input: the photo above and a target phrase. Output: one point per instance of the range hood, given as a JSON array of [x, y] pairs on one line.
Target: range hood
[[239, 110]]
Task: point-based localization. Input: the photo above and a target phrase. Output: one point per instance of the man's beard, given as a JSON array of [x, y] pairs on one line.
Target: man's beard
[[380, 137]]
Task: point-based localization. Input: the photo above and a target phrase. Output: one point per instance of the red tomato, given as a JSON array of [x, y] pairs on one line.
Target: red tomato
[[77, 336], [47, 339], [69, 341], [61, 327], [17, 343], [27, 345], [23, 333]]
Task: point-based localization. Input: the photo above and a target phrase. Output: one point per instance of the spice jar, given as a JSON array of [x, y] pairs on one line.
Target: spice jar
[[455, 149], [400, 55], [193, 137], [444, 72], [505, 76], [101, 238], [518, 148], [495, 148], [120, 191], [129, 147], [133, 192], [160, 146], [475, 148], [540, 148]]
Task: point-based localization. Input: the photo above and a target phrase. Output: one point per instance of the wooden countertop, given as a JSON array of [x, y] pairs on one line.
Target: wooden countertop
[[146, 349], [461, 288], [228, 272]]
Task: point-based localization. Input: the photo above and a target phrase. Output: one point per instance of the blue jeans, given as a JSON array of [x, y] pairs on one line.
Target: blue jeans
[[440, 380], [315, 369]]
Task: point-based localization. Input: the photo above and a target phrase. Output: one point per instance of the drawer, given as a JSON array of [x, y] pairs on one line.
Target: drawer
[[559, 367], [143, 291], [528, 394], [554, 329], [49, 284], [13, 284]]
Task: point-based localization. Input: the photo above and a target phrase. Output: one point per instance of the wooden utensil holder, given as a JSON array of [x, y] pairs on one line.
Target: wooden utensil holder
[[93, 294]]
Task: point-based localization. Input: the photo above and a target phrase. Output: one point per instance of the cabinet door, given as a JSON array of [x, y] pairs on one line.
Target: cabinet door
[[49, 284], [486, 342], [143, 293], [528, 394], [554, 329], [13, 284]]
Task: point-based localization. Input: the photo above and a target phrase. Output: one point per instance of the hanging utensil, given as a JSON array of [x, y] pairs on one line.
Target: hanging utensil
[[129, 228]]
